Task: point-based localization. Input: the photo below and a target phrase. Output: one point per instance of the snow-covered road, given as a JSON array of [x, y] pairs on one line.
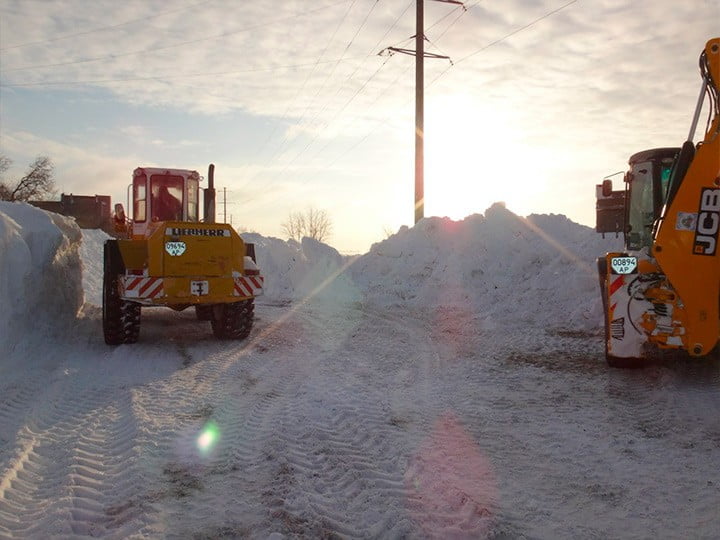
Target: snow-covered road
[[350, 419], [354, 422]]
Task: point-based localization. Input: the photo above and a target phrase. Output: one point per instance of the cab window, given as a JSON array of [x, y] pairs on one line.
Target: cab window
[[192, 191], [641, 212], [166, 197], [139, 198]]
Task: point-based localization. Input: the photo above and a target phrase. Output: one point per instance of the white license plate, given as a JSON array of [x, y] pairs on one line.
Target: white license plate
[[624, 265], [199, 288]]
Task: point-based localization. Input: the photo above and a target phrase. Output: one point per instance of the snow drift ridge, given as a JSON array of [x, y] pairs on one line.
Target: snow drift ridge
[[499, 267]]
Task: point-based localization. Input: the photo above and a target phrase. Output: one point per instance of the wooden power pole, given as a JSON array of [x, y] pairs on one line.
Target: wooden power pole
[[419, 112], [420, 56]]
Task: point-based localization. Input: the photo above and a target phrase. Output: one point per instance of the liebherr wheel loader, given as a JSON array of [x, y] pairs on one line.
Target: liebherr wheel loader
[[166, 256], [663, 290]]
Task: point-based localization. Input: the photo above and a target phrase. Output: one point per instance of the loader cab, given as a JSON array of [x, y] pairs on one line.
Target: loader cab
[[160, 195], [635, 210], [646, 188]]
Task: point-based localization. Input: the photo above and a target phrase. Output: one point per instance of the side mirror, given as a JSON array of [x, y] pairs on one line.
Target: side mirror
[[607, 187]]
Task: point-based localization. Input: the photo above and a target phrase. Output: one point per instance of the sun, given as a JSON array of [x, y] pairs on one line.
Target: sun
[[472, 158]]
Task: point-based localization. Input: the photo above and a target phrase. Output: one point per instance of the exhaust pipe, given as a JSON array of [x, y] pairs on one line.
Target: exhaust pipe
[[209, 199]]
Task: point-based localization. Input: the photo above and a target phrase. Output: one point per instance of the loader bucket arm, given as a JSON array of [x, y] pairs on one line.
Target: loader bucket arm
[[689, 256]]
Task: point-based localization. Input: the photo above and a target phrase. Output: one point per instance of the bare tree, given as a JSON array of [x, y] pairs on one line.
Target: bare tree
[[4, 166], [38, 181], [312, 223]]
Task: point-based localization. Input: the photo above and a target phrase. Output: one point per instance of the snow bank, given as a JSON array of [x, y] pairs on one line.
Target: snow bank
[[91, 253], [296, 271], [499, 268], [535, 271], [40, 270]]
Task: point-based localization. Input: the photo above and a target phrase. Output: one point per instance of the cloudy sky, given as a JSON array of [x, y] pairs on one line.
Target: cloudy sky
[[296, 107]]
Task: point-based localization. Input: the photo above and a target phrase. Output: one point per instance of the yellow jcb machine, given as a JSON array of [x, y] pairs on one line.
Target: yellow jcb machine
[[663, 291], [167, 256]]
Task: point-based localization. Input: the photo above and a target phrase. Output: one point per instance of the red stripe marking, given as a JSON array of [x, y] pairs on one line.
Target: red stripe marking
[[148, 284], [615, 285], [156, 289], [134, 283]]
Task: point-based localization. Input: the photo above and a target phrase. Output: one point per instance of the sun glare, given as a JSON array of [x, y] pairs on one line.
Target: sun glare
[[208, 437], [472, 159]]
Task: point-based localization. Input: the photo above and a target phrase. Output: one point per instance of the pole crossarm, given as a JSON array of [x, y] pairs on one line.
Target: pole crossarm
[[412, 52], [420, 55]]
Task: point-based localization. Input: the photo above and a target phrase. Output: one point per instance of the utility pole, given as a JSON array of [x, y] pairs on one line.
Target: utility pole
[[419, 111], [420, 56], [224, 205]]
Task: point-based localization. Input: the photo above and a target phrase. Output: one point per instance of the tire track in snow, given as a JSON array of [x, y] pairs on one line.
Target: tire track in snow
[[75, 456], [343, 448], [235, 387]]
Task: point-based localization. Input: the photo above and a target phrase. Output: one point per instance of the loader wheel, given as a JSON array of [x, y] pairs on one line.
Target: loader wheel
[[625, 363], [121, 319], [204, 312], [602, 275], [233, 321]]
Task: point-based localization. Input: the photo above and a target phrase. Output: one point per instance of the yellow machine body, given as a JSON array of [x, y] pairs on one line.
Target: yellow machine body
[[167, 256], [664, 289]]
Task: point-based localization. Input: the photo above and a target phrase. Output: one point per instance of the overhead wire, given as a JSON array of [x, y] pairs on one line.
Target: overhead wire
[[175, 45], [392, 83], [503, 38], [105, 28], [163, 77], [361, 88], [321, 110], [460, 15], [297, 94], [385, 121]]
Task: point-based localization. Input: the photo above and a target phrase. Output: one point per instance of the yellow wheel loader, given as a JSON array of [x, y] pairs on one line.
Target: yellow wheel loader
[[663, 290], [167, 256]]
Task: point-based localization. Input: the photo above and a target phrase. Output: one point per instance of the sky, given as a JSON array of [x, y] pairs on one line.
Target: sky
[[300, 105]]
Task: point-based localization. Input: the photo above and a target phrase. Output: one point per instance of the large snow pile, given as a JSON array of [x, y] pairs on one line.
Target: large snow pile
[[40, 270], [298, 270], [500, 268], [538, 271]]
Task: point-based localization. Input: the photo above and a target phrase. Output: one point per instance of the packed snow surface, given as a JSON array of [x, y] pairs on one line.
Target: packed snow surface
[[450, 383]]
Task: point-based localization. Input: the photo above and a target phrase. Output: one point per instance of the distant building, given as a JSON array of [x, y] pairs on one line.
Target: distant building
[[90, 211]]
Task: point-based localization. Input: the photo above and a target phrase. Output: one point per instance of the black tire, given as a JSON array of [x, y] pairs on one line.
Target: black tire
[[602, 275], [121, 319], [625, 363], [204, 312], [233, 321]]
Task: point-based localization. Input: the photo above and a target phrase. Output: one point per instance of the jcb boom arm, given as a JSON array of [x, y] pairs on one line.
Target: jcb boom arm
[[690, 256], [663, 290]]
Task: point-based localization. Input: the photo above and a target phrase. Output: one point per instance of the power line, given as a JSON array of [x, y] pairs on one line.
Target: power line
[[503, 38], [176, 76], [297, 94], [448, 27], [356, 94], [175, 45], [385, 121], [103, 28], [347, 47], [362, 87]]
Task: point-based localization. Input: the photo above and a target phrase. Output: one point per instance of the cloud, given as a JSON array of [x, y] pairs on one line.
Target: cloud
[[77, 170], [297, 89]]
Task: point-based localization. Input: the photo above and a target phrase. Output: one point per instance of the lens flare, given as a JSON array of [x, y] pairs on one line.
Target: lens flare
[[208, 437]]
